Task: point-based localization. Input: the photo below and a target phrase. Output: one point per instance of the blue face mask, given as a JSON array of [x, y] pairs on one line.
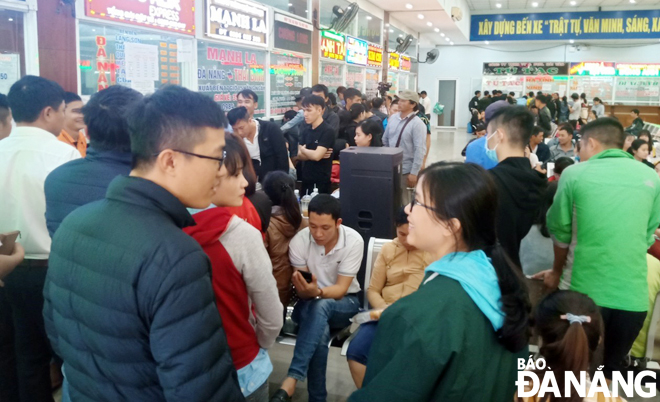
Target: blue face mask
[[490, 153]]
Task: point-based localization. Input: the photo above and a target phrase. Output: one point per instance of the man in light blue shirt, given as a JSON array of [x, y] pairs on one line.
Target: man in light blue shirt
[[407, 131]]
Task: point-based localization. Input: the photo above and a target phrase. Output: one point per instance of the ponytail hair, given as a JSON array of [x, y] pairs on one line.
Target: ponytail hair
[[279, 187], [568, 346], [466, 192]]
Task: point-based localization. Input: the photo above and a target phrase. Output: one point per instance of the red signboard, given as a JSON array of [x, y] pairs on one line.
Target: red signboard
[[333, 45], [375, 56], [170, 15]]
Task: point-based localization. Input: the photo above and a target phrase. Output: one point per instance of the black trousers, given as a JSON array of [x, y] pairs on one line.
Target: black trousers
[[25, 352], [621, 330]]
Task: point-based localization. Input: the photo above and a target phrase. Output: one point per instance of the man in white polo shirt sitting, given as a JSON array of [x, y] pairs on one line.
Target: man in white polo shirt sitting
[[332, 253]]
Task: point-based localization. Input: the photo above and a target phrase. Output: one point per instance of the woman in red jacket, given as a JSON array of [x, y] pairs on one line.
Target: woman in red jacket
[[242, 279]]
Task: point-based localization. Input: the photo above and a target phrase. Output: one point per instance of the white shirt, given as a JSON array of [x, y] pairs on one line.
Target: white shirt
[[344, 259], [253, 147], [577, 109], [27, 156], [426, 102]]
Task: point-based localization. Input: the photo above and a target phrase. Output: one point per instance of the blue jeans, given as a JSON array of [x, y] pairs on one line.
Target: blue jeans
[[360, 346], [310, 356]]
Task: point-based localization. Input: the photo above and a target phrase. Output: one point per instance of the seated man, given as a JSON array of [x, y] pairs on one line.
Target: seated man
[[332, 253]]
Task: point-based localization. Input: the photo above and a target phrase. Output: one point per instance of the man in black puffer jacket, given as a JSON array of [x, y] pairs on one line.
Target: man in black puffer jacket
[[519, 187], [128, 302]]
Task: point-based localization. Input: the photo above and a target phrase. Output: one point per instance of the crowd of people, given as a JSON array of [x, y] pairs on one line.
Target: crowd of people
[[162, 244]]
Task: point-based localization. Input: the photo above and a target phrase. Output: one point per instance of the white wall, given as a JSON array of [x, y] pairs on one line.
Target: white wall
[[465, 63]]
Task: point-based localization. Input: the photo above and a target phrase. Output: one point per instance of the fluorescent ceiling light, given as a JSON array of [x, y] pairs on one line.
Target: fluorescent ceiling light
[[409, 6], [420, 16]]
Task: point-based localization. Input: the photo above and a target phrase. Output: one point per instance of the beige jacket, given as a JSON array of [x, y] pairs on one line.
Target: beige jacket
[[396, 274]]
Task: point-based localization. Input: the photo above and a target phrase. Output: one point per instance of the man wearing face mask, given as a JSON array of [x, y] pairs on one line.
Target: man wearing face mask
[[519, 186], [476, 150]]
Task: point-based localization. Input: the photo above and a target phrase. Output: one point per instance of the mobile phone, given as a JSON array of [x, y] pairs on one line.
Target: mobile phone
[[307, 276], [7, 241]]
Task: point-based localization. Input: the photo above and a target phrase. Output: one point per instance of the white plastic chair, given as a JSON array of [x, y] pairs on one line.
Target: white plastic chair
[[373, 249]]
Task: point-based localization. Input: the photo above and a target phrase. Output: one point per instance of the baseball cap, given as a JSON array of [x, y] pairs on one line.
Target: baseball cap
[[494, 108], [409, 95]]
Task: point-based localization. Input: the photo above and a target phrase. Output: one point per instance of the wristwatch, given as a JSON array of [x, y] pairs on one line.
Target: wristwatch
[[320, 296]]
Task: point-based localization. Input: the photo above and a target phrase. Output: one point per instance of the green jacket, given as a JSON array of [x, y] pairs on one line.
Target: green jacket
[[436, 345], [617, 207]]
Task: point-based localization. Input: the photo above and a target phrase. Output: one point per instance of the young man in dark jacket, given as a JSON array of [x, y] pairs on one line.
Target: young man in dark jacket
[[82, 181], [264, 141], [545, 115], [474, 102], [519, 187], [144, 324], [637, 124]]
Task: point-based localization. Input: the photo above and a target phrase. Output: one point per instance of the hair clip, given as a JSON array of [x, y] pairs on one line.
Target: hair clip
[[575, 318]]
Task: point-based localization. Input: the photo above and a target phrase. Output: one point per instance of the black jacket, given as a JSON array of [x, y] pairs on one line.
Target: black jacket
[[543, 152], [348, 133], [474, 103], [272, 150], [520, 190], [636, 127], [128, 302], [382, 116], [332, 119], [545, 117], [485, 102]]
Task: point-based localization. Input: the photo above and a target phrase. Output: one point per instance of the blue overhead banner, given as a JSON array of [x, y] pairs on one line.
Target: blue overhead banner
[[638, 24]]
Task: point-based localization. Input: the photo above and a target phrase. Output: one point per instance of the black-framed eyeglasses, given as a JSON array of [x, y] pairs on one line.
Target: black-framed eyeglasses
[[219, 160], [414, 202]]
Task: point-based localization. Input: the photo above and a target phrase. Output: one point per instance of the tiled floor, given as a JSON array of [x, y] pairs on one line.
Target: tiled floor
[[445, 145]]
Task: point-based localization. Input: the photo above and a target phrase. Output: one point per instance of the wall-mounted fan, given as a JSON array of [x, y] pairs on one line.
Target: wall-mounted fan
[[343, 18], [431, 56], [403, 44]]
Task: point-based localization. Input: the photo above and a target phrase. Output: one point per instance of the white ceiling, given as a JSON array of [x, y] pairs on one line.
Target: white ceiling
[[431, 10]]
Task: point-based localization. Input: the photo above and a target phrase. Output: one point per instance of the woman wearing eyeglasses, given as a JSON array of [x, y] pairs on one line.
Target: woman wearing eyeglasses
[[242, 277], [457, 338]]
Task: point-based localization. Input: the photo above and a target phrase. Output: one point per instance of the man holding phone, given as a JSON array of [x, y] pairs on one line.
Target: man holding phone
[[330, 254]]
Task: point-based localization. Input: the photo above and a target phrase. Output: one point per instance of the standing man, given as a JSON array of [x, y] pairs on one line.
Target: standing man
[[407, 131], [609, 263], [340, 96], [519, 187], [545, 115], [315, 140], [27, 156], [146, 308], [575, 109], [332, 254], [351, 97], [264, 141], [556, 106], [474, 102], [86, 180], [426, 102], [74, 123], [485, 101]]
